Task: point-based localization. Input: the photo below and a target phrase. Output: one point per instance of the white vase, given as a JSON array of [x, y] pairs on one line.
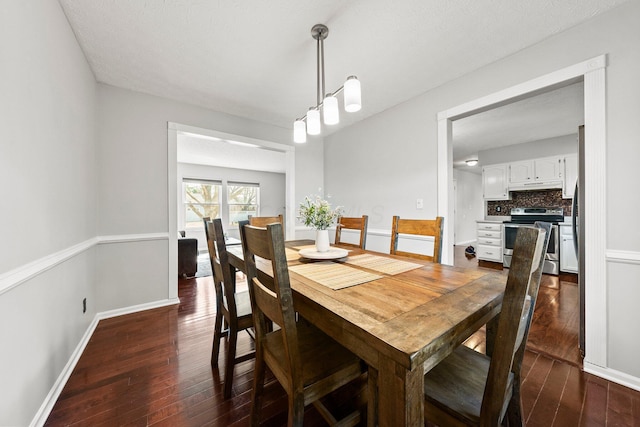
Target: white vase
[[322, 240]]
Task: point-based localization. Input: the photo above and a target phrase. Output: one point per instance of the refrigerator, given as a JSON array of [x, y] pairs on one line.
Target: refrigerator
[[577, 214]]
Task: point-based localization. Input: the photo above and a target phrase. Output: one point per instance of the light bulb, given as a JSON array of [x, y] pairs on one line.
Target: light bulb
[[352, 94], [299, 131], [330, 110], [313, 121]]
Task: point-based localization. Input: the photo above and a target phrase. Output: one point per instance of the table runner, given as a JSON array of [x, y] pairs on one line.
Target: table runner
[[382, 264], [332, 275]]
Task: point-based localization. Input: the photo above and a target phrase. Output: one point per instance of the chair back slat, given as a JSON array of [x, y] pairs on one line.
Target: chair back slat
[[420, 227], [352, 223], [517, 306]]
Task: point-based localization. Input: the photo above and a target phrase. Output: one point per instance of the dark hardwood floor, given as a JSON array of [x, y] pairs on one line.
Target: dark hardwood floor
[[556, 321], [153, 368]]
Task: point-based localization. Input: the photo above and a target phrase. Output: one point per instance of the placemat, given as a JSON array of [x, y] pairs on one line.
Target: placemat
[[382, 264], [332, 275]]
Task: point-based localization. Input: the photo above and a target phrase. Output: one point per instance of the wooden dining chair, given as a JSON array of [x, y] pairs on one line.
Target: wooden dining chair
[[305, 361], [234, 308], [420, 227], [352, 223], [470, 388]]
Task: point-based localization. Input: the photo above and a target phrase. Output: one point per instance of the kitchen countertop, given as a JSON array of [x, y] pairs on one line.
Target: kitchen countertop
[[495, 219]]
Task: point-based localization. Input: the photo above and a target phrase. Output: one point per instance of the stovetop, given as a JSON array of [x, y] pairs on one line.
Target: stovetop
[[532, 214]]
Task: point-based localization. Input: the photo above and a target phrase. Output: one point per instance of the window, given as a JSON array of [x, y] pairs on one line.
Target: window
[[243, 200], [201, 198]]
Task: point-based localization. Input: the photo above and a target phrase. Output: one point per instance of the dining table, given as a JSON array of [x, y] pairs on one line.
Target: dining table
[[400, 315]]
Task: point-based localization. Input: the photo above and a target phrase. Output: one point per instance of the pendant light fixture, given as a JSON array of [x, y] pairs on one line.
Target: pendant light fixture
[[326, 102]]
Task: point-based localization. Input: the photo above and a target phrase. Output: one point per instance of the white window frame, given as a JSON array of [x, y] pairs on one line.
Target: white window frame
[[227, 205], [187, 180]]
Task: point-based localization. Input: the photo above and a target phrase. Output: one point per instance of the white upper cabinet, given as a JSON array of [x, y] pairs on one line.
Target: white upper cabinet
[[547, 169], [494, 182], [570, 165], [520, 172], [537, 173]]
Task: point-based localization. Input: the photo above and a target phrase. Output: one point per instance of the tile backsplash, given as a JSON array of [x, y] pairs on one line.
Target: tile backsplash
[[527, 199]]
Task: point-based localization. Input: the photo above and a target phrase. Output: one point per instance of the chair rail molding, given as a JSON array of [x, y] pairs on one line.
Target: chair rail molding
[[19, 275], [26, 272], [623, 257]]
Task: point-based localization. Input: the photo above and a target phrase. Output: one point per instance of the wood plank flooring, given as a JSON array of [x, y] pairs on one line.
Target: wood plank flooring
[[153, 368]]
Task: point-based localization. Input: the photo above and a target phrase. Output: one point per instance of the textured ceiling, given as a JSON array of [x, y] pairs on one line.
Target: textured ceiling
[[256, 58], [556, 113]]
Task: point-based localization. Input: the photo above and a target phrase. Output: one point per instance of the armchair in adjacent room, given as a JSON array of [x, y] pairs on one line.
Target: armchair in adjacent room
[[187, 256]]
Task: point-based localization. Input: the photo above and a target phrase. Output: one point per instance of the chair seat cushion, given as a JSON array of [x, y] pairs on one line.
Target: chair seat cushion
[[321, 356], [456, 385]]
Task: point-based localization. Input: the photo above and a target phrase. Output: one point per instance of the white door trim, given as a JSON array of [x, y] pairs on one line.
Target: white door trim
[[592, 72], [172, 186]]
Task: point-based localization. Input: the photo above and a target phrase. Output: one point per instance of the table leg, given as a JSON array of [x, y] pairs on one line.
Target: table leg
[[400, 395]]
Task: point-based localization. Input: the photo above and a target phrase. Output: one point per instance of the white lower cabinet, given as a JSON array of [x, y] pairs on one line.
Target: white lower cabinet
[[489, 238], [568, 258]]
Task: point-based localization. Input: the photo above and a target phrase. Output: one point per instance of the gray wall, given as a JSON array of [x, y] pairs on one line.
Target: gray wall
[[132, 189], [396, 152], [48, 192], [84, 183]]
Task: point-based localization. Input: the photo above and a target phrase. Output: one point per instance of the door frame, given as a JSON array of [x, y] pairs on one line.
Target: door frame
[[592, 74], [172, 187]]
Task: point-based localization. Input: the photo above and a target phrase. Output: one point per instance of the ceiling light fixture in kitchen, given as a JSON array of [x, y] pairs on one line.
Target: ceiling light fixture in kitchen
[[471, 162], [310, 122]]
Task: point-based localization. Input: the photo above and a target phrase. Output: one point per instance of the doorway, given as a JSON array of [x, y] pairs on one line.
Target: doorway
[[592, 72], [172, 185]]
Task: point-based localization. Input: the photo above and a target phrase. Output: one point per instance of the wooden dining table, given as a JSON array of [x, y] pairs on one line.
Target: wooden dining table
[[405, 317]]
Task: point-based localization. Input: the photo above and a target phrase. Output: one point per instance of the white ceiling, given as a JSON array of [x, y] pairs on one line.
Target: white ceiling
[[207, 150], [256, 59], [555, 113]]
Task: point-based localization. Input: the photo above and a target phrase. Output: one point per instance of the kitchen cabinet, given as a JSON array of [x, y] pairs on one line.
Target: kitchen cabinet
[[489, 237], [570, 166], [546, 171], [520, 172], [568, 258], [494, 182]]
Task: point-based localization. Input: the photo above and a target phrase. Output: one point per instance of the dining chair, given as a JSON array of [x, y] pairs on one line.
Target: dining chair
[[471, 388], [420, 227], [306, 362], [234, 308], [352, 223]]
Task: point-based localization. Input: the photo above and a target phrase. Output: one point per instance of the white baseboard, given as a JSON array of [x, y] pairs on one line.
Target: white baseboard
[[613, 375], [136, 308], [45, 409]]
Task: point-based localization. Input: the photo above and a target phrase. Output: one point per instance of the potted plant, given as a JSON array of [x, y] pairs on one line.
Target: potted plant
[[317, 213]]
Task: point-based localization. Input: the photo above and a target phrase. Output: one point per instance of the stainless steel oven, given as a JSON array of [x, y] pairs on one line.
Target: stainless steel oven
[[521, 217]]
